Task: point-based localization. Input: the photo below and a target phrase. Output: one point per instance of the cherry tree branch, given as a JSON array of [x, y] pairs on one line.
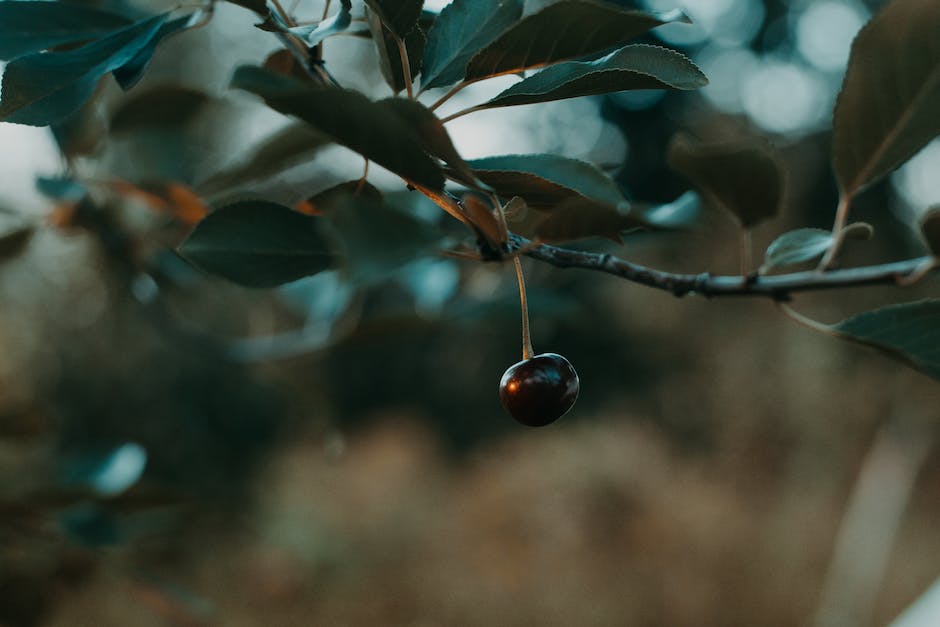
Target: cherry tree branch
[[777, 287]]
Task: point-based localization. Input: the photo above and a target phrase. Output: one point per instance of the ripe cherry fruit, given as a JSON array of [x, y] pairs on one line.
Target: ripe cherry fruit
[[539, 390]]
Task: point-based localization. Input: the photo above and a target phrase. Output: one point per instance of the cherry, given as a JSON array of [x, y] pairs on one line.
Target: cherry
[[539, 390]]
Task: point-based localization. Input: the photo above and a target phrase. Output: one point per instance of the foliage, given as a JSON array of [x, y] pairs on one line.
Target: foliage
[[59, 53]]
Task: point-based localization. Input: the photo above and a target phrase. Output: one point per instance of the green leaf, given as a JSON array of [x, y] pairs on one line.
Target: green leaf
[[389, 56], [930, 229], [909, 332], [580, 218], [399, 16], [562, 31], [27, 27], [379, 239], [14, 241], [796, 247], [432, 134], [631, 67], [350, 119], [544, 181], [743, 177], [258, 244], [324, 201], [460, 31], [887, 109], [284, 149], [131, 72], [163, 106], [42, 88]]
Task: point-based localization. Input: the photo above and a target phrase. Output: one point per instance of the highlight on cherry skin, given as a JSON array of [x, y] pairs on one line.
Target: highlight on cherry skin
[[539, 390]]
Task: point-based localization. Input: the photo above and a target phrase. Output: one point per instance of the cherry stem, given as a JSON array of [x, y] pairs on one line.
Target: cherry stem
[[527, 351]]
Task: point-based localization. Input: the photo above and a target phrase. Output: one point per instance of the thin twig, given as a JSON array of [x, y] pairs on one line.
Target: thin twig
[[461, 113], [806, 321], [405, 66], [842, 216], [778, 287]]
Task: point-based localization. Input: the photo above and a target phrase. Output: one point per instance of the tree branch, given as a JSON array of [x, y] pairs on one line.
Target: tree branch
[[777, 287]]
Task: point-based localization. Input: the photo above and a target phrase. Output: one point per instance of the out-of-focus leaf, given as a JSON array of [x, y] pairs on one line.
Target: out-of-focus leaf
[[682, 213], [82, 132], [337, 23], [14, 241], [42, 88], [378, 239], [400, 16], [544, 181], [164, 106], [89, 525], [291, 146], [909, 332], [631, 67], [131, 72], [887, 109], [109, 474], [579, 218], [258, 244], [390, 57], [350, 119], [170, 198], [743, 177], [566, 30], [284, 62], [322, 202], [460, 31], [432, 134], [27, 27], [930, 229], [60, 188], [797, 247]]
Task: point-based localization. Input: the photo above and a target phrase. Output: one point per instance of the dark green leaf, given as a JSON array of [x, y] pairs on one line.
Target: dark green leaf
[[887, 109], [562, 31], [131, 72], [324, 201], [930, 229], [258, 244], [42, 88], [578, 218], [543, 180], [432, 134], [379, 239], [400, 16], [631, 67], [350, 119], [27, 27], [390, 57], [742, 177], [796, 247], [164, 106], [291, 146], [910, 332], [460, 31]]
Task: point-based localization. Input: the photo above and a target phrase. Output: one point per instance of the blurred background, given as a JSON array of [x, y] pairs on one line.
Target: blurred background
[[175, 450]]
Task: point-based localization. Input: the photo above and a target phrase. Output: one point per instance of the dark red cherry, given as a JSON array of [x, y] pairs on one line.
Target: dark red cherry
[[540, 390]]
